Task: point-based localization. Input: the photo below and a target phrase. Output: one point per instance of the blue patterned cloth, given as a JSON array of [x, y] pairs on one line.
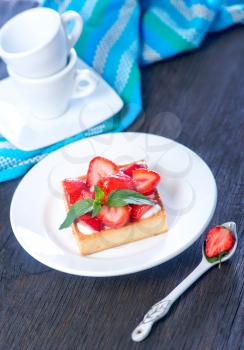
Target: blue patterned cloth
[[119, 36]]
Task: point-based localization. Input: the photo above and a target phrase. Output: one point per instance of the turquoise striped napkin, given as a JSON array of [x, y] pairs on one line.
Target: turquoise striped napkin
[[120, 36]]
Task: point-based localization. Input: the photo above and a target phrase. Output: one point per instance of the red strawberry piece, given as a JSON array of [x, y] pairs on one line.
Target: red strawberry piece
[[116, 182], [138, 210], [76, 189], [100, 167], [145, 180], [128, 171], [219, 239], [94, 223], [114, 217], [153, 195]]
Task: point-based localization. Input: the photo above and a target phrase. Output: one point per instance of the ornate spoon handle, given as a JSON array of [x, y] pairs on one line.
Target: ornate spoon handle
[[160, 309]]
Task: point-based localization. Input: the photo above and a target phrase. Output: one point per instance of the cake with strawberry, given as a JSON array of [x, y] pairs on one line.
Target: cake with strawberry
[[113, 205]]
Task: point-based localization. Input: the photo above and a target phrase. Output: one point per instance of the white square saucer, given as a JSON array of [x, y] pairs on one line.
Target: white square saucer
[[27, 133]]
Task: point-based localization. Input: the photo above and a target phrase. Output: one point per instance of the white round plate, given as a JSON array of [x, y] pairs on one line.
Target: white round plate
[[187, 188]]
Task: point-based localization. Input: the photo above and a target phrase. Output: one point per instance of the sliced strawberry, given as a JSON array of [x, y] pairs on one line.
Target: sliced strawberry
[[95, 223], [76, 189], [146, 180], [114, 217], [219, 239], [153, 195], [116, 182], [138, 210], [100, 167], [128, 171]]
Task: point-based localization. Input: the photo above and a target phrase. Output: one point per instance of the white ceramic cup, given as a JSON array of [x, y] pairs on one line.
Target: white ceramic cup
[[36, 43], [49, 97]]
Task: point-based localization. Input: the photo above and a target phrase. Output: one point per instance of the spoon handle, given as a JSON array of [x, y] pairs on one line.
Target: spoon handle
[[161, 308]]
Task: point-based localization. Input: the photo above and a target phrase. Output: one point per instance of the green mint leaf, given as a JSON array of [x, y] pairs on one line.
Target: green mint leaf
[[99, 194], [97, 206], [121, 198], [216, 258], [80, 207]]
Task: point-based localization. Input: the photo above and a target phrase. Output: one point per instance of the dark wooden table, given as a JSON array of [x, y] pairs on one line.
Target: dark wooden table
[[44, 309]]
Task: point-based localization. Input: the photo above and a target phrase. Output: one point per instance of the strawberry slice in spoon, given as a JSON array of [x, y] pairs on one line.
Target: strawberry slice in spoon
[[219, 240]]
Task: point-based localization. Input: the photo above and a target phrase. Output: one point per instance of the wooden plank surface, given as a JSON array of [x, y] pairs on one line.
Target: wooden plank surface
[[198, 99]]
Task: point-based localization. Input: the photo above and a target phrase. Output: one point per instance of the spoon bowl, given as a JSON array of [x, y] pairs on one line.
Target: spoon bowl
[[231, 226]]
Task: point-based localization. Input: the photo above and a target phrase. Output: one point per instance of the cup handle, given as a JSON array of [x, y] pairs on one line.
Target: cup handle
[[83, 75], [72, 16]]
